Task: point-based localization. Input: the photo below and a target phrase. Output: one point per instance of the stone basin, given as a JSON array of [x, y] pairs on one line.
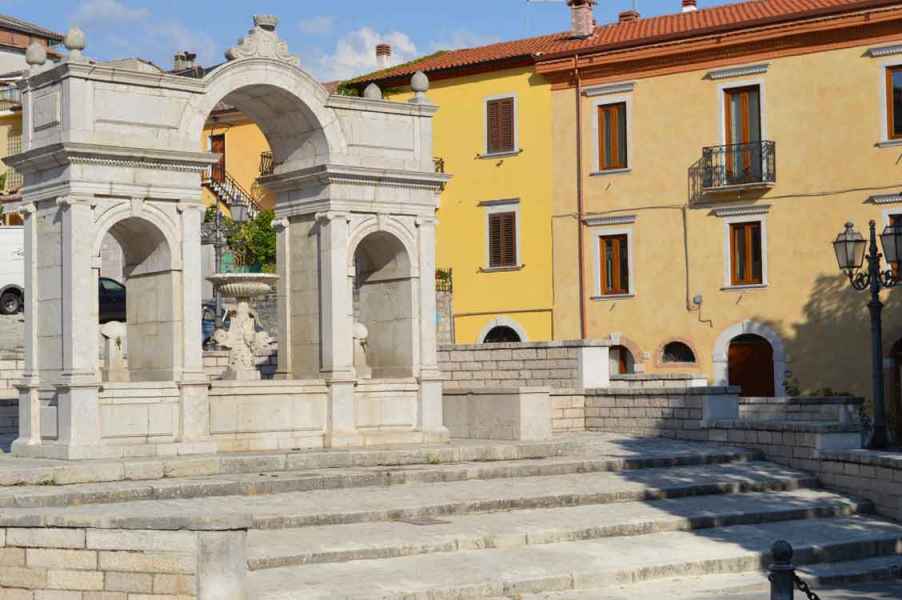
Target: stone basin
[[243, 285]]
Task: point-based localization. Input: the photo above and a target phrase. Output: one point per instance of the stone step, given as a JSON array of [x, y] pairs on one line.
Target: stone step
[[377, 540], [16, 471], [579, 565], [824, 579], [416, 501], [277, 482]]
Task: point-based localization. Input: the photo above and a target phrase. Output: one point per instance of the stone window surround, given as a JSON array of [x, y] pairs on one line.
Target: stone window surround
[[885, 140], [720, 357], [599, 231], [749, 215], [502, 206], [602, 99], [485, 126], [502, 322]]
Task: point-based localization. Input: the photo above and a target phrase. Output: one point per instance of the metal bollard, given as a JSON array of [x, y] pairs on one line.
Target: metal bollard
[[782, 572]]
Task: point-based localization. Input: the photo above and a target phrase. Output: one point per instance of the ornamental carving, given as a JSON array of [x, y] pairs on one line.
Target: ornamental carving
[[263, 42]]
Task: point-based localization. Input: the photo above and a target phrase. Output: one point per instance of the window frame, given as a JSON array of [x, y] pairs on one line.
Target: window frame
[[888, 216], [485, 125], [729, 283], [886, 128], [607, 100], [722, 91], [502, 206], [598, 233]]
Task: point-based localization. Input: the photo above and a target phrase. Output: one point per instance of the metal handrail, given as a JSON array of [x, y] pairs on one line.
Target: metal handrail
[[739, 164], [230, 192]]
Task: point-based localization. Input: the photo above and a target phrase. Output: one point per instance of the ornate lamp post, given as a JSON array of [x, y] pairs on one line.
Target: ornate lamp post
[[849, 247]]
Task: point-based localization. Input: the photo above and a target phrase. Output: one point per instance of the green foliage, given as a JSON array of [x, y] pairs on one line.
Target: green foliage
[[254, 241], [3, 181]]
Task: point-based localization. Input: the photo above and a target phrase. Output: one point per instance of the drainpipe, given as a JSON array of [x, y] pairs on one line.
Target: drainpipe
[[579, 199]]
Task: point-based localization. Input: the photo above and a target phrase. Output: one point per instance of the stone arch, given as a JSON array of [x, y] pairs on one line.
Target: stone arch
[[618, 339], [287, 104], [501, 322], [389, 226], [385, 303], [158, 219], [720, 358], [659, 354]]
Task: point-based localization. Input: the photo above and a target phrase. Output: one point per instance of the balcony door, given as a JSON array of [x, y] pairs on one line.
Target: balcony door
[[218, 146], [742, 113]]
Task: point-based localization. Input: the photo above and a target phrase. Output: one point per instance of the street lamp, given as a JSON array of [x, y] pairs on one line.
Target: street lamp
[[849, 247]]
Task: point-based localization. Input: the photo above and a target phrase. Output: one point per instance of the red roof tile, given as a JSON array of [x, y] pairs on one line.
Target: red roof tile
[[642, 31]]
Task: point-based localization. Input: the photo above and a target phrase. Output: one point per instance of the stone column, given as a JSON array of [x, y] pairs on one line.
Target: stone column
[[29, 398], [283, 297], [429, 413], [193, 382], [337, 317], [79, 419]]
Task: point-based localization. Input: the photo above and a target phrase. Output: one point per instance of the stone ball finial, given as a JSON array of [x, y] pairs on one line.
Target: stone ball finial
[[35, 55], [267, 22], [360, 331], [372, 92], [75, 43], [419, 83]]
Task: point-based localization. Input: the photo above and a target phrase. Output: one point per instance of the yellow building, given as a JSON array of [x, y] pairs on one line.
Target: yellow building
[[703, 163], [493, 135]]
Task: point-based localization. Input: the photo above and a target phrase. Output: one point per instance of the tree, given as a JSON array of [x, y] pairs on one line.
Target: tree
[[253, 242]]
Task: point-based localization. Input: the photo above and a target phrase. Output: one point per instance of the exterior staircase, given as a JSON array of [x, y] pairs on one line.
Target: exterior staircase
[[586, 516], [229, 192]]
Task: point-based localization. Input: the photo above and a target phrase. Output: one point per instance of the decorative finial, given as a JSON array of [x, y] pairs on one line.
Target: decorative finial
[[267, 22], [372, 92], [263, 42], [35, 55], [782, 551], [75, 43], [419, 83]]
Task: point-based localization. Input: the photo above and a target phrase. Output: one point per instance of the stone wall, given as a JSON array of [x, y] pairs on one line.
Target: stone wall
[[113, 564], [550, 364], [444, 317], [568, 411], [874, 475], [834, 408]]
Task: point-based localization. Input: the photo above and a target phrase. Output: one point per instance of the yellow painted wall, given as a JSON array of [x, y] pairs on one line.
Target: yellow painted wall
[[244, 144], [824, 111], [524, 296]]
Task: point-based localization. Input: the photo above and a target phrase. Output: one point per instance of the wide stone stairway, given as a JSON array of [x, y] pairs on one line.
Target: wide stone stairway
[[586, 516]]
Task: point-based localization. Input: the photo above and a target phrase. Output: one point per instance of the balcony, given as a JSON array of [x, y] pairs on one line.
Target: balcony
[[267, 167], [737, 167]]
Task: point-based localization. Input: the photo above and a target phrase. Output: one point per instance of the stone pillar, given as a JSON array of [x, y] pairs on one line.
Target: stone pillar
[[79, 418], [429, 412], [283, 297], [337, 339], [193, 383], [29, 398], [222, 565]]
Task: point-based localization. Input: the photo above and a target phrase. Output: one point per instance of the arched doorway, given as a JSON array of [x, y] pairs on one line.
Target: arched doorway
[[501, 334], [750, 365], [383, 303], [622, 361]]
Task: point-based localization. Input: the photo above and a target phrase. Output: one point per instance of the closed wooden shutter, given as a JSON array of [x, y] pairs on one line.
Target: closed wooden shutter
[[503, 239], [500, 125]]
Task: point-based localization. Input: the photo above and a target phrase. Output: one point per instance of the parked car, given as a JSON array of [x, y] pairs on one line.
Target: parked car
[[12, 270], [111, 297]]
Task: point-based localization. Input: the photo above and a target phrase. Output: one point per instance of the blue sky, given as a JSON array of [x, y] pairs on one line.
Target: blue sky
[[334, 38]]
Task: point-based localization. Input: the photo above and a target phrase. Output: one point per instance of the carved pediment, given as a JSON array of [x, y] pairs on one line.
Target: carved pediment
[[263, 42]]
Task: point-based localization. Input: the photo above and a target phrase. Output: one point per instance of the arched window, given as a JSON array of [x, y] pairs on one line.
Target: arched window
[[622, 361], [677, 352], [501, 334]]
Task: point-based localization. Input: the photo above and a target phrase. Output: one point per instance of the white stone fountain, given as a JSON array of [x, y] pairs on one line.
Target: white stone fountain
[[242, 339]]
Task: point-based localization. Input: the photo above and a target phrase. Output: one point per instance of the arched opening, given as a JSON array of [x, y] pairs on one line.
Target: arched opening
[[622, 360], [383, 304], [145, 298], [677, 352], [750, 365], [501, 334]]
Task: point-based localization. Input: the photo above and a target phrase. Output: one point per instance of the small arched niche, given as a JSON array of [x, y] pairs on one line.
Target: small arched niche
[[502, 334], [677, 353], [383, 299], [622, 360]]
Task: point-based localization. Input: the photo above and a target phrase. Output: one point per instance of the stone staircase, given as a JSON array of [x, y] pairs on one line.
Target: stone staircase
[[588, 516]]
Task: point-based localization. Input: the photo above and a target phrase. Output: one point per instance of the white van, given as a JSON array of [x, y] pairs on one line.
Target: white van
[[12, 270]]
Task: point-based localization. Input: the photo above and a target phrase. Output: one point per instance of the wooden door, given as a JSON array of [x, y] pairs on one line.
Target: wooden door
[[742, 113], [218, 146], [751, 366]]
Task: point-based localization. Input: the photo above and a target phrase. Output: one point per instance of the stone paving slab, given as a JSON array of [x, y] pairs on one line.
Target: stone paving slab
[[328, 507], [363, 541], [578, 565]]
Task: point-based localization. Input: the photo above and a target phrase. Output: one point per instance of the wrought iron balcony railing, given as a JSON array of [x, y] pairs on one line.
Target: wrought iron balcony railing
[[739, 166], [266, 165]]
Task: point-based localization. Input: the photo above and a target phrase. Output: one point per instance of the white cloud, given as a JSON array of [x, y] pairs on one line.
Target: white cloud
[[355, 53], [463, 39], [317, 25], [107, 11]]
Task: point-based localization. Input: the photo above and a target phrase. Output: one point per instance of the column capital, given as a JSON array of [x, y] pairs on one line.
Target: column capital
[[27, 210], [280, 225], [187, 207], [332, 215], [66, 202], [425, 221]]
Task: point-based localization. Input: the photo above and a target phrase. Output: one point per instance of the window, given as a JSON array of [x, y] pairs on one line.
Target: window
[[894, 102], [613, 255], [612, 136], [677, 352], [502, 239], [896, 220], [500, 126], [501, 334], [743, 134], [746, 262]]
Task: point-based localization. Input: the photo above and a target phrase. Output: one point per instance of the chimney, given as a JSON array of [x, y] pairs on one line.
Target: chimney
[[582, 22], [629, 15], [184, 61], [689, 6], [383, 55]]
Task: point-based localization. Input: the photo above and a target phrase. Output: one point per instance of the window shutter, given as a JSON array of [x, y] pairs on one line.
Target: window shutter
[[492, 127], [494, 240], [503, 239], [500, 125]]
